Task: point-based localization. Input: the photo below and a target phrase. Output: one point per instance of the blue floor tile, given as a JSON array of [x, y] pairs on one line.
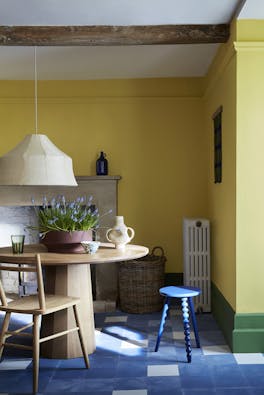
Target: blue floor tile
[[197, 381], [127, 368], [254, 375], [233, 391], [256, 391], [202, 391], [226, 377], [64, 384], [95, 385], [219, 360], [130, 383], [157, 391], [164, 383]]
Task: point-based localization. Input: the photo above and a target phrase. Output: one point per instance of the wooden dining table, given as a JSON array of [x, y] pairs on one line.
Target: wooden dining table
[[69, 274]]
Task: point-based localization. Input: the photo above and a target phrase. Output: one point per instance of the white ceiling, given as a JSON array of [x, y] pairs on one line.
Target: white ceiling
[[119, 61], [114, 12]]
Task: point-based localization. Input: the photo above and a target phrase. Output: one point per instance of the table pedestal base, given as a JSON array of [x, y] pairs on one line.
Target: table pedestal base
[[71, 280]]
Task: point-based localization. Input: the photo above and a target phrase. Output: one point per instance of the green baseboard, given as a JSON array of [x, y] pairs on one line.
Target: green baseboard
[[243, 332], [223, 314], [248, 334]]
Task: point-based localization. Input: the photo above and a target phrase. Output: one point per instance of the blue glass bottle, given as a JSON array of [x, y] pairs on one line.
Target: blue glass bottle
[[102, 165]]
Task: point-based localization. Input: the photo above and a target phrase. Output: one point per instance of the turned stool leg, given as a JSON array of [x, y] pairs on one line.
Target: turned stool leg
[[162, 321], [195, 328], [186, 327]]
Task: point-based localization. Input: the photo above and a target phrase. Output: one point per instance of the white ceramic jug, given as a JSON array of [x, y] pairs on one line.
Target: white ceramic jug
[[119, 234]]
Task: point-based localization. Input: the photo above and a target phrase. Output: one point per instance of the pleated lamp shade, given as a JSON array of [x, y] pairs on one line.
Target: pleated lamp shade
[[36, 161]]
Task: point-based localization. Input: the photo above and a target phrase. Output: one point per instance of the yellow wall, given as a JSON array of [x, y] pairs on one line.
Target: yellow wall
[[221, 91], [250, 30], [250, 165], [236, 81], [152, 132]]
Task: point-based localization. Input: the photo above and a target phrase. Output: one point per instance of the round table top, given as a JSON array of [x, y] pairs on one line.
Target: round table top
[[106, 253]]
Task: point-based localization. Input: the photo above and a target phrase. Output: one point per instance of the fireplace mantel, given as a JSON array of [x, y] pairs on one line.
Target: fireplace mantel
[[87, 185]]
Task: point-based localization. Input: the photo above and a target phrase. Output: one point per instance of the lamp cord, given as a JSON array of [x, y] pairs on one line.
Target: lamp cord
[[36, 90]]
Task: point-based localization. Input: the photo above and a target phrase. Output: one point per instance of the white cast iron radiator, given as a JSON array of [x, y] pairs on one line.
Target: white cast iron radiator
[[196, 253]]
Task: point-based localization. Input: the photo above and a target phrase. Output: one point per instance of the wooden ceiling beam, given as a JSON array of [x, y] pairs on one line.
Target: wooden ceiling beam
[[112, 35]]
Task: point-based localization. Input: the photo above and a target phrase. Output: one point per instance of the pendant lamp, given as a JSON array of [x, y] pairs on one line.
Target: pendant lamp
[[36, 160]]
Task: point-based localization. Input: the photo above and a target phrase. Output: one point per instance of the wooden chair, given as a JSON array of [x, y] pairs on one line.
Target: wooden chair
[[37, 305]]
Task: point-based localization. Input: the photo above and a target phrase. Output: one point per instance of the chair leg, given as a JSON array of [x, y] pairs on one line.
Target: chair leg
[[3, 331], [194, 322], [186, 327], [80, 333], [36, 329], [162, 321]]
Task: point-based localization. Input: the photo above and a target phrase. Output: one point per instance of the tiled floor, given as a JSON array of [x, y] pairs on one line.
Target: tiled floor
[[125, 363]]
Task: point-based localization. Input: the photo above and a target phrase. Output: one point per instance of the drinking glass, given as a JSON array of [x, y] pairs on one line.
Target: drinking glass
[[17, 243]]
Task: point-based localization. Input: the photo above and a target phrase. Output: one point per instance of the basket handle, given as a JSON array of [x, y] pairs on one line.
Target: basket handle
[[157, 248]]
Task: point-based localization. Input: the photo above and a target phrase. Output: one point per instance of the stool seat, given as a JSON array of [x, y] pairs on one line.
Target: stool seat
[[186, 294], [180, 291]]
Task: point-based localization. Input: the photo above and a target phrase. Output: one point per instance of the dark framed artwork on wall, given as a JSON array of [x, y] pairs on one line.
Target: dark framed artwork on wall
[[217, 119]]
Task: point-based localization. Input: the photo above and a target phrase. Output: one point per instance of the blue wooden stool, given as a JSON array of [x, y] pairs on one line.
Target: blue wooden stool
[[185, 294]]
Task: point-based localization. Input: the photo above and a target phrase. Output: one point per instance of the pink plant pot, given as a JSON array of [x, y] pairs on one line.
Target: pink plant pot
[[66, 242]]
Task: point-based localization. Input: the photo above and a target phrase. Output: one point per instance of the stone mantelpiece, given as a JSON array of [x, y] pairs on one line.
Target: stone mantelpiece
[[16, 212], [87, 185]]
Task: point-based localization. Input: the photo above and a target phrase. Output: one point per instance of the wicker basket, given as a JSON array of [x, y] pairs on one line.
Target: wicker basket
[[140, 281]]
